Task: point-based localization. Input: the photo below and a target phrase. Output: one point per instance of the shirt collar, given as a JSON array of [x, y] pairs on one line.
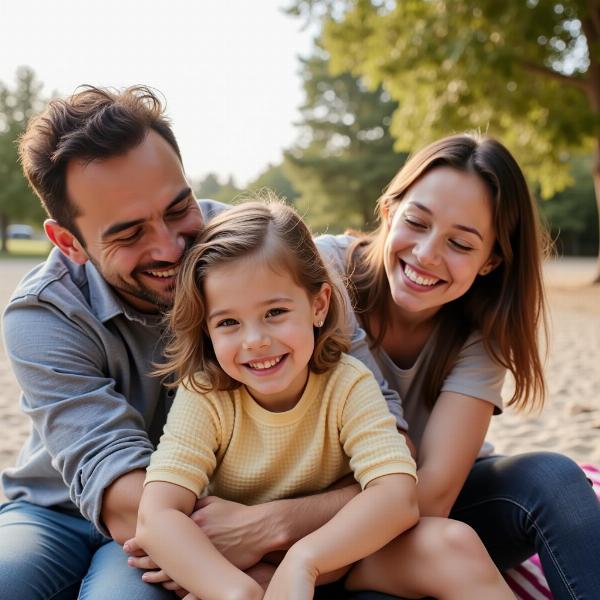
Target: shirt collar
[[106, 303]]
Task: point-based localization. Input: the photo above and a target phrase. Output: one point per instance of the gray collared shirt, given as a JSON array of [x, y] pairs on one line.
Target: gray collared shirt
[[82, 357]]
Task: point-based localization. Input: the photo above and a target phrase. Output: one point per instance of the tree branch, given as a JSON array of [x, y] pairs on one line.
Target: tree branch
[[594, 16], [578, 82]]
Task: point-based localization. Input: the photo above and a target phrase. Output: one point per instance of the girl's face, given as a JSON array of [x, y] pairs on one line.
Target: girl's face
[[261, 326], [440, 237]]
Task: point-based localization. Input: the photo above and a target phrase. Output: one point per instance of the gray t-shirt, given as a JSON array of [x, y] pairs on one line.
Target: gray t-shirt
[[475, 373]]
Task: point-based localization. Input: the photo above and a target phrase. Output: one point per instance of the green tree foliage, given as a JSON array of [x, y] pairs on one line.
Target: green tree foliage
[[527, 71], [17, 201], [211, 187], [274, 178], [345, 154], [571, 214]]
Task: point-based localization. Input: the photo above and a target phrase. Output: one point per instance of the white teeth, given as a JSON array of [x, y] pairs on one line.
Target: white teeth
[[265, 364], [167, 273], [416, 278]]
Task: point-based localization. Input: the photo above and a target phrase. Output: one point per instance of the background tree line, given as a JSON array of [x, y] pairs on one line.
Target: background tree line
[[387, 77]]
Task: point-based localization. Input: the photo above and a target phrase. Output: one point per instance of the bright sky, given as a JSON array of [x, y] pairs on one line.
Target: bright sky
[[229, 69]]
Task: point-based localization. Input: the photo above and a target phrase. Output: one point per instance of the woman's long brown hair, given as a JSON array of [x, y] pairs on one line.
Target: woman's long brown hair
[[507, 306]]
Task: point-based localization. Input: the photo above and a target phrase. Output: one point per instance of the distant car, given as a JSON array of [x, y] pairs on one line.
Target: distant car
[[19, 232]]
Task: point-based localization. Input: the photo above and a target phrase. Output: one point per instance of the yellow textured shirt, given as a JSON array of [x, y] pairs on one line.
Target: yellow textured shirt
[[224, 443]]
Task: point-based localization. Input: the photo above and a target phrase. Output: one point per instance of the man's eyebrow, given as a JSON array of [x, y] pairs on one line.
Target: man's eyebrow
[[462, 227], [123, 225]]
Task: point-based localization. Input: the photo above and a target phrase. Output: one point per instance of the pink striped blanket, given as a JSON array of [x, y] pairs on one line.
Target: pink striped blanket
[[527, 580]]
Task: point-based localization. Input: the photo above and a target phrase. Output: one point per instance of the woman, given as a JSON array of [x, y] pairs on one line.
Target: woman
[[449, 291]]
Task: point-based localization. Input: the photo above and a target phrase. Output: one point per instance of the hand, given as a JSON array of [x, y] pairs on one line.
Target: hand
[[153, 573], [294, 579], [243, 534]]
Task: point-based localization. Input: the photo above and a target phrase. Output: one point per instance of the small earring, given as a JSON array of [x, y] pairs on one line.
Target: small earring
[[319, 323]]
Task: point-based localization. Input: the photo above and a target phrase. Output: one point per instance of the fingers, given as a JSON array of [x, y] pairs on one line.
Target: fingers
[[158, 576], [132, 548], [141, 562], [202, 502]]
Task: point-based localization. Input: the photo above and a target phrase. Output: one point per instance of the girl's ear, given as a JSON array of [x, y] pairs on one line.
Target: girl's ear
[[321, 304], [492, 262], [65, 241]]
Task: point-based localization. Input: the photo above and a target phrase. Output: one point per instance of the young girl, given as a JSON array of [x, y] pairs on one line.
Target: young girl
[[270, 407], [449, 291]]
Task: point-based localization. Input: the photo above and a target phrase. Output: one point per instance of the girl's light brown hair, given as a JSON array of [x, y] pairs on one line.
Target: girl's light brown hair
[[507, 305], [274, 233]]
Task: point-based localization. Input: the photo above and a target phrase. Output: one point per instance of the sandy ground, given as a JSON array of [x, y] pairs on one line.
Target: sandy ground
[[569, 423]]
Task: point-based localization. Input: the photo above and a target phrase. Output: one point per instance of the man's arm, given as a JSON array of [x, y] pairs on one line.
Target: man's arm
[[91, 433], [120, 505], [245, 534]]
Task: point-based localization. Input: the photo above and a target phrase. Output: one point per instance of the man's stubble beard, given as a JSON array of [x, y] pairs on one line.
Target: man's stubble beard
[[139, 291]]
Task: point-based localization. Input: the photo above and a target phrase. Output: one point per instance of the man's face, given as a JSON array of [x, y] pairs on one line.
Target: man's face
[[137, 216]]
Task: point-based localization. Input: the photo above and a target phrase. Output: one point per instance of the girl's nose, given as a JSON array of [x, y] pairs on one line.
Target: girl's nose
[[255, 339]]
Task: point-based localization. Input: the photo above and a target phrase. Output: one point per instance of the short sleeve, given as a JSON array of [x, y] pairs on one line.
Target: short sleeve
[[369, 436], [476, 373]]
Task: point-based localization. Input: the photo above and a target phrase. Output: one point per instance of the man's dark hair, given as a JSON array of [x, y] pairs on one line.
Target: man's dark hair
[[93, 123]]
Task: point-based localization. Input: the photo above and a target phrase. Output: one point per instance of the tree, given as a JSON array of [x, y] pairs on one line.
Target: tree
[[527, 71], [274, 178], [571, 214], [345, 155], [211, 187], [17, 201]]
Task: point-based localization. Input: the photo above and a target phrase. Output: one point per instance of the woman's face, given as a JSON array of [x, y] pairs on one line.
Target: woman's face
[[440, 238]]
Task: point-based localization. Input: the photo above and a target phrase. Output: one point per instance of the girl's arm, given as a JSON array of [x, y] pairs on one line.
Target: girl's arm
[[451, 442], [386, 508], [183, 551]]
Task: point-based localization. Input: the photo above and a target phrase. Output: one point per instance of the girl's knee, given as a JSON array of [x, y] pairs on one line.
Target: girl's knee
[[458, 537]]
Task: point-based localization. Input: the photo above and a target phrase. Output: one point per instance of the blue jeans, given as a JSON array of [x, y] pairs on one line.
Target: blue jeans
[[47, 554], [537, 502]]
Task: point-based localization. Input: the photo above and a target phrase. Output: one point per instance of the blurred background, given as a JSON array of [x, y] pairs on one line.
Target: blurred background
[[321, 100]]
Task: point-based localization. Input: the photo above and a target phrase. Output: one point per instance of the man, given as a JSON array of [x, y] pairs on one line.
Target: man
[[83, 331]]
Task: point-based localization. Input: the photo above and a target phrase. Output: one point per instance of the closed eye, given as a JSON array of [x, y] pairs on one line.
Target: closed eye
[[460, 246], [131, 237], [179, 211], [414, 223]]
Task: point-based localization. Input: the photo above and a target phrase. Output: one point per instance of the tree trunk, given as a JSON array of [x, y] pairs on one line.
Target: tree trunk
[[596, 174], [3, 227]]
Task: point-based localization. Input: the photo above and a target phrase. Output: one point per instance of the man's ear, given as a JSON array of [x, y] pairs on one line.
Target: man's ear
[[65, 241], [492, 263]]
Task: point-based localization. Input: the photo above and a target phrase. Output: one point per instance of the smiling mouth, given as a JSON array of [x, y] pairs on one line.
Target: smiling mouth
[[265, 364], [419, 279], [162, 274]]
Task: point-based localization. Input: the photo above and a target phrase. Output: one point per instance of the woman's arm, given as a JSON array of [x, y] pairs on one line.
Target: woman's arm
[[386, 508], [450, 444], [183, 551]]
